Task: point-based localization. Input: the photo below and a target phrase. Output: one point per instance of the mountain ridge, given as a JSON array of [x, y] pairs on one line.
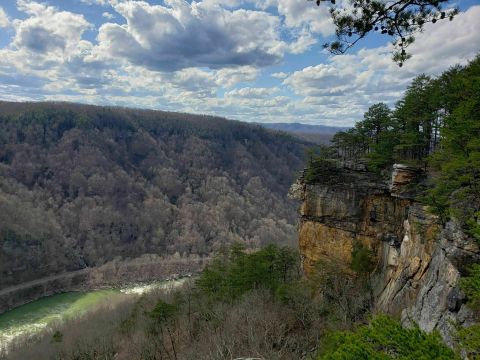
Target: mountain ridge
[[81, 185]]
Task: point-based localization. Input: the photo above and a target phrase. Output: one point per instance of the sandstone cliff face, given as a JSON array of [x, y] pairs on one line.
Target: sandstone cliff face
[[418, 263], [349, 206]]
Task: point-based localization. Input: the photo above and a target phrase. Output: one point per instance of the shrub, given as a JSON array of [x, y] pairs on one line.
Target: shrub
[[469, 341], [384, 338], [227, 278], [362, 258], [471, 286]]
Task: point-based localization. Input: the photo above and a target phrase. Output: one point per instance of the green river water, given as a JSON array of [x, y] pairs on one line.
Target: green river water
[[33, 317]]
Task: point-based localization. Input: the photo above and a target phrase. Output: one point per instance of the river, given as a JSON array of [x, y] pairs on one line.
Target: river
[[33, 317]]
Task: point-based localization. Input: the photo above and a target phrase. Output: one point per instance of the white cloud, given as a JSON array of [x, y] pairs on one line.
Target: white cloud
[[304, 39], [48, 48], [323, 79], [306, 13], [229, 77], [301, 15], [202, 57], [195, 82], [252, 93], [108, 15], [279, 75], [347, 85], [96, 2], [181, 35], [446, 43], [4, 21], [47, 29]]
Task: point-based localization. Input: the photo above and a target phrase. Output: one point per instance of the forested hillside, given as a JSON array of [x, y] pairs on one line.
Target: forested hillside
[[81, 185]]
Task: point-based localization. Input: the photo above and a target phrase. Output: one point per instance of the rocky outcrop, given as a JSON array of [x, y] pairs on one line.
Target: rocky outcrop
[[439, 303], [403, 180], [418, 262], [343, 208]]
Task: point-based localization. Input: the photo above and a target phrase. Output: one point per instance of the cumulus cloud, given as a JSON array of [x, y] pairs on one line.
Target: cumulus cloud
[[346, 85], [322, 79], [181, 35], [48, 47], [108, 15], [4, 22], [252, 93], [195, 82], [208, 57], [305, 13], [446, 43], [279, 75], [229, 77], [47, 29], [96, 2]]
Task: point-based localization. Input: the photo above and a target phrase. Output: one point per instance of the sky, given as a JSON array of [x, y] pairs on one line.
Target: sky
[[250, 60]]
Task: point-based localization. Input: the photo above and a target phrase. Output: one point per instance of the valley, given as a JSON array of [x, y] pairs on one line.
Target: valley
[[30, 319], [239, 180], [379, 257]]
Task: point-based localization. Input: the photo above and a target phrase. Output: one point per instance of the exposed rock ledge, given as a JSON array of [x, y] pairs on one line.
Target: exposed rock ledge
[[149, 267], [419, 263]]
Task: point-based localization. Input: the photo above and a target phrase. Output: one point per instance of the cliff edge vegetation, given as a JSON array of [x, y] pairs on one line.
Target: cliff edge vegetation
[[434, 127], [398, 195]]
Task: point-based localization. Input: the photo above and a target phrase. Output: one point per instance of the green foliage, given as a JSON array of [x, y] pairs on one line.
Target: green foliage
[[469, 341], [399, 20], [320, 169], [349, 144], [57, 336], [381, 154], [374, 138], [471, 286], [274, 313], [438, 199], [415, 116], [378, 128], [375, 121], [227, 278], [163, 311], [473, 224], [384, 338], [322, 165], [362, 258], [457, 186]]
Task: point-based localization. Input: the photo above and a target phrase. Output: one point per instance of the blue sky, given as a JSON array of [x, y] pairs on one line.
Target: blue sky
[[252, 60]]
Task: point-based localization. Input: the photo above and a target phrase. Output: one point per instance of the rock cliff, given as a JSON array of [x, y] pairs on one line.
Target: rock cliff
[[418, 262]]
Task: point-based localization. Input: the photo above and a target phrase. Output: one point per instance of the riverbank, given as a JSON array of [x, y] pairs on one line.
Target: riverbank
[[51, 311], [117, 273]]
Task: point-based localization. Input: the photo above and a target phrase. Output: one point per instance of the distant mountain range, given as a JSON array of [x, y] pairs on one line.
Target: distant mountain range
[[304, 128], [320, 134]]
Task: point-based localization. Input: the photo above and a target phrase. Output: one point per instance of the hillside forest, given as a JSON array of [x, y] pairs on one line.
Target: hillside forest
[[81, 185]]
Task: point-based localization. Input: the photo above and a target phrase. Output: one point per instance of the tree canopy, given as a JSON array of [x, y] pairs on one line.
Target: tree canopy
[[399, 20]]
